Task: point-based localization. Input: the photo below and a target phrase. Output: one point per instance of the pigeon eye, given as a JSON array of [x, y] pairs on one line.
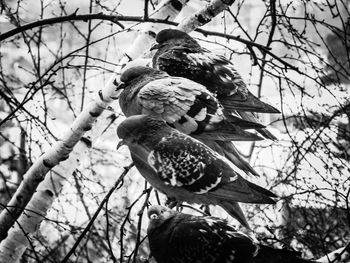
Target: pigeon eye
[[153, 216]]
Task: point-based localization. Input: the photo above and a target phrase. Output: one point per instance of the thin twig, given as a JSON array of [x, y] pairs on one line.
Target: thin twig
[[82, 235]]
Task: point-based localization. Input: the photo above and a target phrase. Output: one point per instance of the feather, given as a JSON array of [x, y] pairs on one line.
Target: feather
[[249, 116], [185, 105], [233, 208], [247, 103], [180, 55], [176, 237], [184, 168]]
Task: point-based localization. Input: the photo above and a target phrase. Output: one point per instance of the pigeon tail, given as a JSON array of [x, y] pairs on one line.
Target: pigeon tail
[[261, 189], [247, 103], [264, 132], [241, 190], [244, 124], [234, 210], [231, 153], [224, 133], [267, 134]]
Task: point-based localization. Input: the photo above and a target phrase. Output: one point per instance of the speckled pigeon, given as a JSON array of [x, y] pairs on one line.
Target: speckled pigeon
[[179, 54], [185, 169], [176, 237], [186, 105]]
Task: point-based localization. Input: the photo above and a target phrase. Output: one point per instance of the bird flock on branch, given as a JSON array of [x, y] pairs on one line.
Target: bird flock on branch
[[182, 115]]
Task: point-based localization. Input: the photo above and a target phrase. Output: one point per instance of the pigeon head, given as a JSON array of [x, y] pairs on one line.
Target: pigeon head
[[141, 129], [135, 72], [169, 34], [138, 76], [158, 215], [132, 126], [169, 38]]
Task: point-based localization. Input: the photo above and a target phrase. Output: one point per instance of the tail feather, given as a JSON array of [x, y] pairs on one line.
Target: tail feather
[[248, 116], [230, 152], [267, 134], [247, 103], [261, 190], [234, 210], [228, 134], [244, 124], [240, 190]]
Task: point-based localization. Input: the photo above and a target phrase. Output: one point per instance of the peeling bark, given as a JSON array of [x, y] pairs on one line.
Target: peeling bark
[[205, 15]]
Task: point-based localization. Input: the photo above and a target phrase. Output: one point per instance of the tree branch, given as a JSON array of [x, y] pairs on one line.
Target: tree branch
[[105, 200], [338, 256]]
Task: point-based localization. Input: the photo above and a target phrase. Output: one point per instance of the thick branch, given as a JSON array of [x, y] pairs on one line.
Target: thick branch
[[115, 19], [205, 15], [85, 18]]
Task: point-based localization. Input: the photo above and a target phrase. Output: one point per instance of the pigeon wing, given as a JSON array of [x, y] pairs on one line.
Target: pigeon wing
[[183, 103], [207, 239], [181, 161]]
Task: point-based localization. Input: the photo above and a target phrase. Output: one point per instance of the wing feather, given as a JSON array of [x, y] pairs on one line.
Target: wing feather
[[183, 162], [181, 102], [212, 240]]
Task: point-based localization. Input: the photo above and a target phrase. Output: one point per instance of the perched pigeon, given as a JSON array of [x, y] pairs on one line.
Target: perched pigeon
[[185, 169], [180, 55], [176, 237], [183, 103], [187, 106]]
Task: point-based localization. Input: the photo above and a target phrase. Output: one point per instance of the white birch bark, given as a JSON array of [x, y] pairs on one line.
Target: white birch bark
[[16, 242], [205, 15]]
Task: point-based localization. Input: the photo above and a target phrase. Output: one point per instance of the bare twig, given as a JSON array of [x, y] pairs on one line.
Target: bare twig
[[105, 199]]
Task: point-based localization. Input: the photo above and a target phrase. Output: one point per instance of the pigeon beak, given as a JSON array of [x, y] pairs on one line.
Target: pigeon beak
[[118, 90], [120, 144], [121, 86], [154, 46]]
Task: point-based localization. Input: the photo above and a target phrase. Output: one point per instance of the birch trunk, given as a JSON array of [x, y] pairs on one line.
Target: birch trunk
[[60, 159], [204, 15]]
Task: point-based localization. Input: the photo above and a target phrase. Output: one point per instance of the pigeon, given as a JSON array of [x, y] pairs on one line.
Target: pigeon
[[179, 54], [185, 169], [186, 105], [183, 103], [176, 237]]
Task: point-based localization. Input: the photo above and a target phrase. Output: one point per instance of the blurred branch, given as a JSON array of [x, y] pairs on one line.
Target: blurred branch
[[105, 200], [340, 255], [145, 14], [139, 224]]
